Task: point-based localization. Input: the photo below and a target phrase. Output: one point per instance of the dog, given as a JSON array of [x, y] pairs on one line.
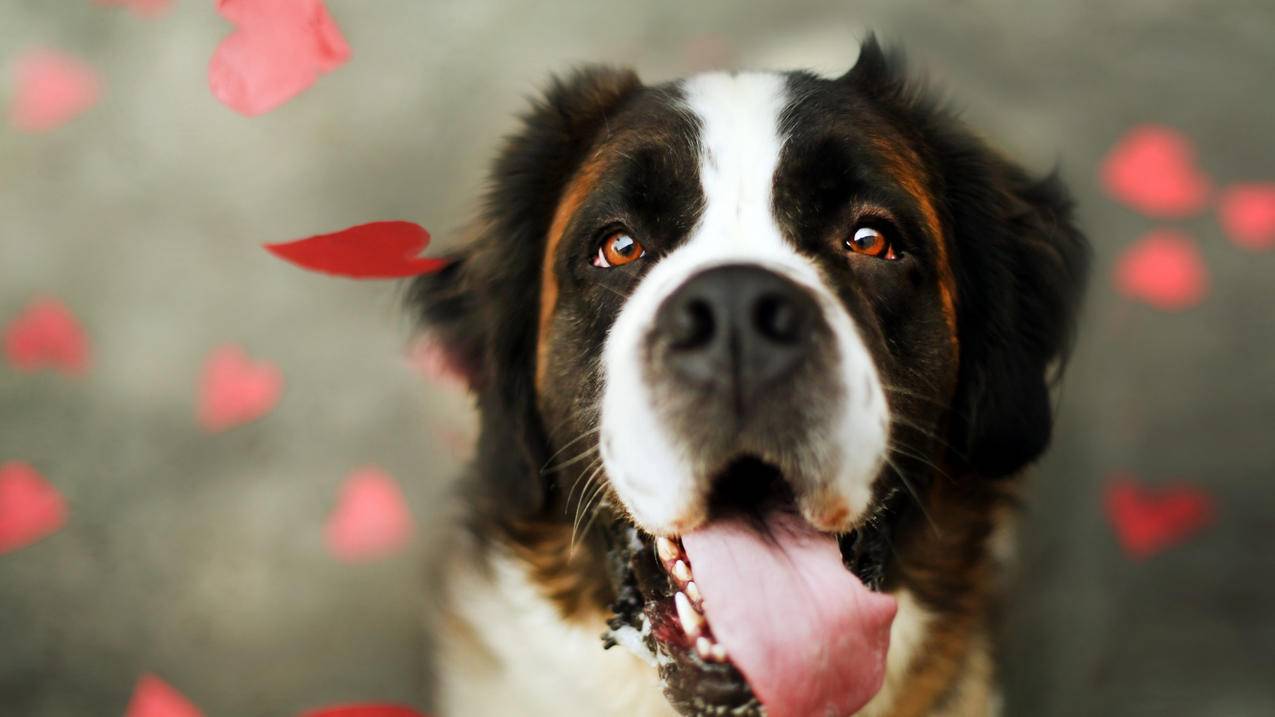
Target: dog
[[759, 359]]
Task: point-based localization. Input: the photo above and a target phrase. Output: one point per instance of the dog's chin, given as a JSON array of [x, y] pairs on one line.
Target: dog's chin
[[659, 613]]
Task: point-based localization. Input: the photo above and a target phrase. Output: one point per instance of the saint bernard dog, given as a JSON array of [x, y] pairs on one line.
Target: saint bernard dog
[[759, 359]]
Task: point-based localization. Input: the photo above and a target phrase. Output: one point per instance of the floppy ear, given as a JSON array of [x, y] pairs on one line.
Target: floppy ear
[[482, 307]]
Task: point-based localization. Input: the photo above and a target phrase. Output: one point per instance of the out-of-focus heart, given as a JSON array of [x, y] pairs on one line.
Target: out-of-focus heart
[[1152, 169], [155, 698], [30, 508], [1149, 520], [51, 89], [46, 335], [1163, 269], [371, 519], [1248, 215], [364, 711], [280, 47], [145, 8], [234, 390]]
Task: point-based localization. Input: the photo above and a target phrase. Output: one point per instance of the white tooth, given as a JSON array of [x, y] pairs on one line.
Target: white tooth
[[704, 647], [692, 592], [692, 622], [681, 572], [719, 652], [667, 549]]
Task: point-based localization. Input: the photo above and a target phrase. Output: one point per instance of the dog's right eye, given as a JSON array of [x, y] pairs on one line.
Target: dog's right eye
[[618, 249]]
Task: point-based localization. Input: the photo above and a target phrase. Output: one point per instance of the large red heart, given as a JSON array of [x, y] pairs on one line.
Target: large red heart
[[1149, 520], [377, 250], [364, 711], [371, 519], [30, 508], [1248, 215], [1152, 169], [1163, 269], [46, 334], [234, 390], [51, 89], [279, 49], [155, 698]]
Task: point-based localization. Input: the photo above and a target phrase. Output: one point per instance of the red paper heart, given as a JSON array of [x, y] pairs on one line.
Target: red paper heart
[[30, 507], [1163, 269], [234, 390], [364, 711], [379, 250], [279, 49], [46, 335], [1149, 520], [145, 8], [1248, 215], [155, 698], [1152, 169], [51, 89], [371, 519]]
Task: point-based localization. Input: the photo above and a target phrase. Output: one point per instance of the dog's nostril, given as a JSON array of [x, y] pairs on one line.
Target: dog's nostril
[[779, 318], [693, 325]]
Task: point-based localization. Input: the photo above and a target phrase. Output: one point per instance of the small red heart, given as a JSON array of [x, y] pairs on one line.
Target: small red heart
[[378, 250], [1248, 215], [235, 390], [364, 711], [51, 89], [145, 8], [1152, 169], [280, 47], [1149, 520], [46, 334], [1163, 269], [155, 698], [30, 507], [371, 519]]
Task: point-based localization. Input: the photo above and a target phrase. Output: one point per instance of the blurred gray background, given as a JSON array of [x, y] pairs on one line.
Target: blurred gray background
[[200, 557]]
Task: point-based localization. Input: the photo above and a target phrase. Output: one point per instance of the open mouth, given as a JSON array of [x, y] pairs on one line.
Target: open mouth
[[756, 612]]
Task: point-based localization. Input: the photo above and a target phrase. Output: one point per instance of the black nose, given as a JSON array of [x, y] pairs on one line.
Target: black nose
[[741, 327]]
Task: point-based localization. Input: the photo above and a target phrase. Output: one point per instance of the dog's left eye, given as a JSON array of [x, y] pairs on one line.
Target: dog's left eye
[[618, 249], [872, 242]]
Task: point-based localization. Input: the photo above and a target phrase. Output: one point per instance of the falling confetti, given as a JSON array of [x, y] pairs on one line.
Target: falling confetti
[[1163, 269], [1247, 212], [155, 698], [234, 389], [30, 507], [1150, 520], [379, 250], [1152, 169], [371, 519], [51, 89], [46, 335]]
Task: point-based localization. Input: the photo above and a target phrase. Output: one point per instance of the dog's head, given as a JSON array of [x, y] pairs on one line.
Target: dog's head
[[724, 330]]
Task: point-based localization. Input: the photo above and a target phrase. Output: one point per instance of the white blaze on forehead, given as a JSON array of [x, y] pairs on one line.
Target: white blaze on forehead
[[740, 146]]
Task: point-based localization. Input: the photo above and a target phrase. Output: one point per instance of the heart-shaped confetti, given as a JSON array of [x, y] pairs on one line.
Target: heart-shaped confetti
[[144, 8], [30, 507], [1152, 169], [280, 47], [1149, 520], [234, 389], [155, 698], [366, 710], [1163, 269], [1247, 212], [378, 250], [371, 519], [51, 89], [46, 335]]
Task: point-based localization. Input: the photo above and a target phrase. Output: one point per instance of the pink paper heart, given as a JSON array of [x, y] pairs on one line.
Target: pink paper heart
[[51, 89], [1152, 169], [144, 8], [371, 518], [1150, 520], [1248, 215], [279, 49], [234, 390], [155, 698], [30, 507], [46, 335], [1163, 269]]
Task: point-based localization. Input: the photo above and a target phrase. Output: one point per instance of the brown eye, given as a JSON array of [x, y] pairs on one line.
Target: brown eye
[[867, 240], [618, 249]]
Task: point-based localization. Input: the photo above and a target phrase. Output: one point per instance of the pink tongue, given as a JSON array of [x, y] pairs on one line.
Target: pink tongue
[[806, 634]]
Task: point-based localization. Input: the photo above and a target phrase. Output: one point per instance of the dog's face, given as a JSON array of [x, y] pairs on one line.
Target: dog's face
[[727, 328]]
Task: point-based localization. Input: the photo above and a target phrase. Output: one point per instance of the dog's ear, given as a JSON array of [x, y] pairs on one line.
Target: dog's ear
[[482, 307]]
